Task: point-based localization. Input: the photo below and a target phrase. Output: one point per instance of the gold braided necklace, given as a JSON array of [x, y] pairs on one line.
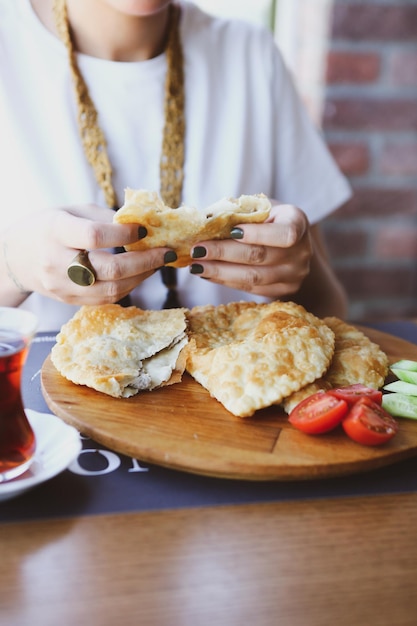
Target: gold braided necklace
[[93, 139]]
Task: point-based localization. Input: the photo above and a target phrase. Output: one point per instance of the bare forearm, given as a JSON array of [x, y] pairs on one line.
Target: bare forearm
[[321, 292], [12, 292]]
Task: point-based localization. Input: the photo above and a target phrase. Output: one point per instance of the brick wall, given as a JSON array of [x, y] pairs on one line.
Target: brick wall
[[370, 122]]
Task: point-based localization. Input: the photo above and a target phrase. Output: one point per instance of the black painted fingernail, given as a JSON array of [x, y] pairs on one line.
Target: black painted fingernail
[[170, 256], [236, 233], [198, 252], [142, 232], [196, 268]]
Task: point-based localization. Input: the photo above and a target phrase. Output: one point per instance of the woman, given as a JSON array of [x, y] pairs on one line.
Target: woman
[[110, 71]]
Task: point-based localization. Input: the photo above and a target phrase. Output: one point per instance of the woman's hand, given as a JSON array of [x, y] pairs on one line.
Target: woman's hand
[[270, 259], [39, 250]]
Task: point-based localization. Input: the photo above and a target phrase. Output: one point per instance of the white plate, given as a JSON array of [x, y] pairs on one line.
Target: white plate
[[57, 445]]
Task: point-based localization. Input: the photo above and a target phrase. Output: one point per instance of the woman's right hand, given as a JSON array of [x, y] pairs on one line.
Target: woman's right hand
[[38, 250]]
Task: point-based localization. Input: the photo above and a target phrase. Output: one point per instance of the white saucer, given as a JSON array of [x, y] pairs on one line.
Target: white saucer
[[57, 445]]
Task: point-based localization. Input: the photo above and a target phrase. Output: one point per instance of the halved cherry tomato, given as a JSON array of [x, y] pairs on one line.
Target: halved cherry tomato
[[353, 393], [369, 424], [318, 413]]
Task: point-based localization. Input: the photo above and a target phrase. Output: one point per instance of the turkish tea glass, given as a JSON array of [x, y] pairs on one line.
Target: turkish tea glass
[[17, 439]]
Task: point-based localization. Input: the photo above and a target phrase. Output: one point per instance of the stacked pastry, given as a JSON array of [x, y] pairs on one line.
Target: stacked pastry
[[248, 356], [120, 351]]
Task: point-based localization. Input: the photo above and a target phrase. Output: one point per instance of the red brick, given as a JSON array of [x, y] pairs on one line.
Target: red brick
[[352, 158], [344, 244], [371, 282], [349, 67], [399, 159], [402, 68], [397, 242], [374, 22], [370, 114], [379, 202], [372, 239]]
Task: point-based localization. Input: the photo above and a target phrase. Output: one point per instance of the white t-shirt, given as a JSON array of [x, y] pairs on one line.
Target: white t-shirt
[[246, 132]]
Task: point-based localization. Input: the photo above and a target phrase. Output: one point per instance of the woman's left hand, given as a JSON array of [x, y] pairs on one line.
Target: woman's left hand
[[271, 259]]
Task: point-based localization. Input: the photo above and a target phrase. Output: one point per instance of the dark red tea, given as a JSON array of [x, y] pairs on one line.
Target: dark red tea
[[17, 441]]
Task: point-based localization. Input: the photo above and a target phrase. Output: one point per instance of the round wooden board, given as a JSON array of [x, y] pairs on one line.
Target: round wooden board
[[183, 428]]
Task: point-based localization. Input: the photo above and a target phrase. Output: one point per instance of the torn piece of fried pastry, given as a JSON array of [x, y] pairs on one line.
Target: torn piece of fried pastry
[[181, 228], [120, 351], [249, 356], [356, 359]]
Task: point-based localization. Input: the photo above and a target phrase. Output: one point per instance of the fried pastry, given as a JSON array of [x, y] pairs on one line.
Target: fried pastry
[[120, 351], [250, 356], [181, 228], [356, 359]]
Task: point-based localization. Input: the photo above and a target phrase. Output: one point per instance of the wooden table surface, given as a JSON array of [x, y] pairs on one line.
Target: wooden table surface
[[338, 561]]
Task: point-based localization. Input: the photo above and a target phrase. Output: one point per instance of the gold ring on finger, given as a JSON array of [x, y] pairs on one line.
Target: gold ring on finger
[[81, 271]]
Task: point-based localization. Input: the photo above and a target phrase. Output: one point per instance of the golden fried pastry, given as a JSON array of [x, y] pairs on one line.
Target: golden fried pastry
[[356, 359], [181, 228], [120, 351], [249, 356]]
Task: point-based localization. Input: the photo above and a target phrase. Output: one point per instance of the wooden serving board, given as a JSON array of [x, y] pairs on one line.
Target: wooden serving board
[[183, 428]]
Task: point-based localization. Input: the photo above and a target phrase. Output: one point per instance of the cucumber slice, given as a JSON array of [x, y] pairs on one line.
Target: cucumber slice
[[402, 387], [406, 375], [400, 405], [405, 364]]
